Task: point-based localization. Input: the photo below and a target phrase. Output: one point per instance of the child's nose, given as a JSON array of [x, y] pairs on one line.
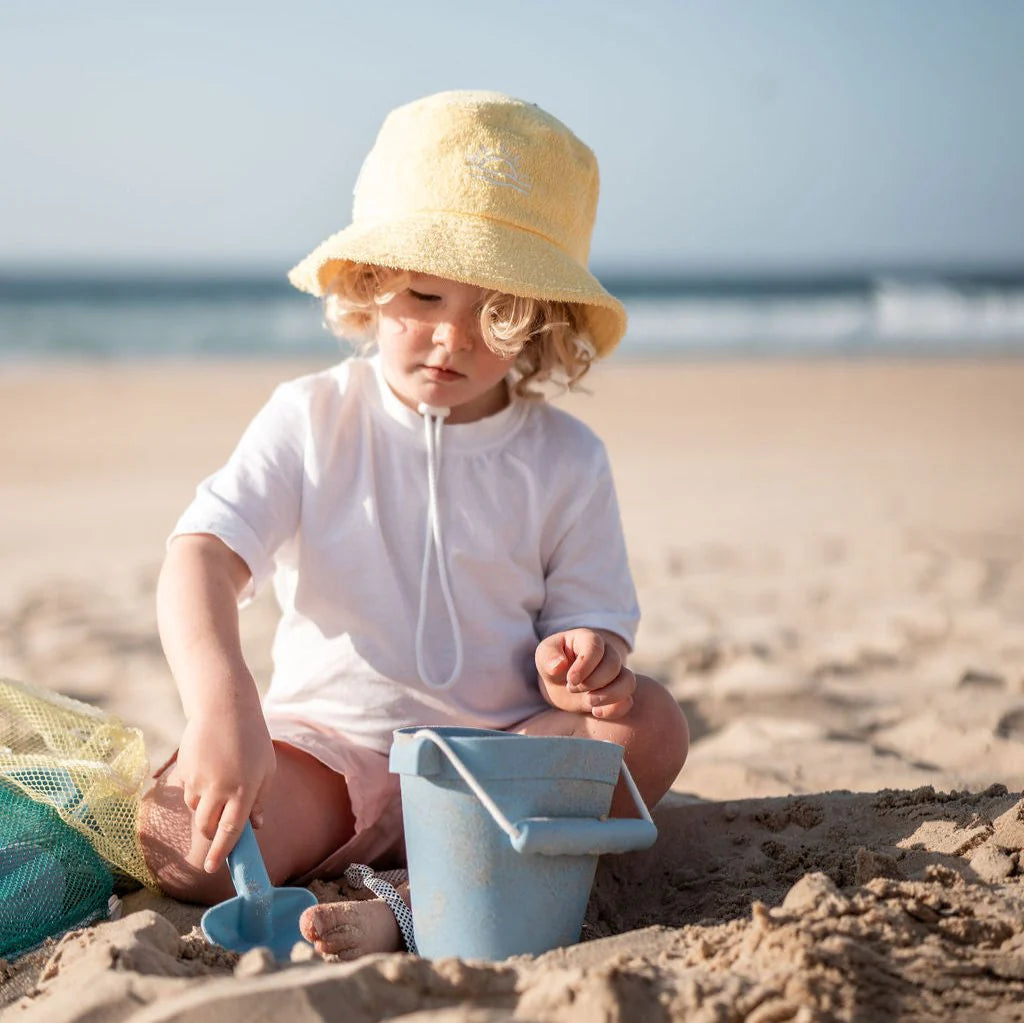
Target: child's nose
[[455, 335]]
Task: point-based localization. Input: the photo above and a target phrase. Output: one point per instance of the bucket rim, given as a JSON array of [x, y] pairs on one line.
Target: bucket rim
[[567, 757]]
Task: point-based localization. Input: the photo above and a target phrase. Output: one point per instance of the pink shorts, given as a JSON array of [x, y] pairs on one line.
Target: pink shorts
[[372, 790]]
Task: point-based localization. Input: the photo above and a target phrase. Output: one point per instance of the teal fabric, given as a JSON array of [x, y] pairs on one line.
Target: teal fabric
[[51, 879]]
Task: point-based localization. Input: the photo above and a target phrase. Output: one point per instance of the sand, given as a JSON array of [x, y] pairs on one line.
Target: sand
[[830, 559]]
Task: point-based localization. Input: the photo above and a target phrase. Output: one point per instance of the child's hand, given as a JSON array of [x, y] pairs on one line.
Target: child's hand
[[584, 670], [225, 762]]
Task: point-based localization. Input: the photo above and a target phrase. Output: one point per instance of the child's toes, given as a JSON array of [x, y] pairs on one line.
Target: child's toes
[[351, 929], [339, 945], [308, 924]]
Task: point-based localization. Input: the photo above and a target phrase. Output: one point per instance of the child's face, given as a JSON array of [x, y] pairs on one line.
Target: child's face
[[432, 350]]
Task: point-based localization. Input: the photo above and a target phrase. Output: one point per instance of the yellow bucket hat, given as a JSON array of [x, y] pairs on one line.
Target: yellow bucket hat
[[483, 189]]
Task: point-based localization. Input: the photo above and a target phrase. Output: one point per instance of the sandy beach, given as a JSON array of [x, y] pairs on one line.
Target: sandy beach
[[830, 561]]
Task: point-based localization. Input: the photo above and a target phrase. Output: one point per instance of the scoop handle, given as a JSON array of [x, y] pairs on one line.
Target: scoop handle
[[245, 861], [252, 882]]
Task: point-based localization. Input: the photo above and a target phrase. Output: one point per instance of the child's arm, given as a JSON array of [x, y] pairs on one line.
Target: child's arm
[[584, 671], [226, 757]]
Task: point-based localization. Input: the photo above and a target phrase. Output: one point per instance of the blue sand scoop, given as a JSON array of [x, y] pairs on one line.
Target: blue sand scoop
[[260, 915]]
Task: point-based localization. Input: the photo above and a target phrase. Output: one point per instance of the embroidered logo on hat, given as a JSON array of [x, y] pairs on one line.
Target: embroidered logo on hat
[[499, 167]]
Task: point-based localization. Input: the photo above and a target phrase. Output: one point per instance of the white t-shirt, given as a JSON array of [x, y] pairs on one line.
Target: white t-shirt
[[327, 493]]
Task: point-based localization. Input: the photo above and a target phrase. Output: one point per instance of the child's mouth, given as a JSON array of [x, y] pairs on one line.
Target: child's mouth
[[440, 375]]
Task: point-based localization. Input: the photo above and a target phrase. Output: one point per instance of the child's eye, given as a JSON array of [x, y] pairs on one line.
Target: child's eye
[[422, 297]]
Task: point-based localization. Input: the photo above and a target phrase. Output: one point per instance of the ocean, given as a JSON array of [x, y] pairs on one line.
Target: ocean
[[904, 312]]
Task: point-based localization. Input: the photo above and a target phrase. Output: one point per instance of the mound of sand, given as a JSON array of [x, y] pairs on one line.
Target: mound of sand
[[839, 905]]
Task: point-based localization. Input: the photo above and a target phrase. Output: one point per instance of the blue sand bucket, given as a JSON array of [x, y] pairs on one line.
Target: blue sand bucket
[[503, 832], [260, 915]]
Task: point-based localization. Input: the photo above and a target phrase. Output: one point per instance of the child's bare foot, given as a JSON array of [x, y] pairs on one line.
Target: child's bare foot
[[351, 929]]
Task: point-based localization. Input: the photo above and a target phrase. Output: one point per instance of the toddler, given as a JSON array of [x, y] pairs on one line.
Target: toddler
[[445, 546]]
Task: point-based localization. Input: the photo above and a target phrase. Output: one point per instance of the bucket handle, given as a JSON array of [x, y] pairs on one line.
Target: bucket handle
[[560, 836]]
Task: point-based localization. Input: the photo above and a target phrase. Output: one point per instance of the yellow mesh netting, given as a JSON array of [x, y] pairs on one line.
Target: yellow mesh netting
[[86, 765]]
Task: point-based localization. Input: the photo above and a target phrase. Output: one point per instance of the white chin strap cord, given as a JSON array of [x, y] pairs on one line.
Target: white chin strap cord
[[433, 422]]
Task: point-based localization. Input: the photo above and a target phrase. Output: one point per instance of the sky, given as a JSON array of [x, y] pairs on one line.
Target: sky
[[766, 134]]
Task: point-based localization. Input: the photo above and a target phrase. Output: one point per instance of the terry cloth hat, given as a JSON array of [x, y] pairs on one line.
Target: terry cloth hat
[[483, 189]]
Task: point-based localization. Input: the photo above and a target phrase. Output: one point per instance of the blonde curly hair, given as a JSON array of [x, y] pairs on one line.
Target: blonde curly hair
[[546, 339]]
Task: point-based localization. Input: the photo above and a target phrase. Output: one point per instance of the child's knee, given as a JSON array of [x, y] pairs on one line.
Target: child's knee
[[170, 850], [661, 724]]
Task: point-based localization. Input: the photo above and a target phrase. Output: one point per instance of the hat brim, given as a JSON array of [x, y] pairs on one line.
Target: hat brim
[[472, 250]]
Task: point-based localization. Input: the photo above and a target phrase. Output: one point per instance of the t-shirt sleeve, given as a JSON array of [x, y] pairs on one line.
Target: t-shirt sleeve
[[253, 503], [588, 582]]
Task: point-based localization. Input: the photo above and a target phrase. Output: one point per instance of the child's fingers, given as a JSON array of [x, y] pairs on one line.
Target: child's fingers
[[256, 813], [232, 820], [206, 816], [588, 651], [613, 711], [597, 666], [614, 699], [551, 659]]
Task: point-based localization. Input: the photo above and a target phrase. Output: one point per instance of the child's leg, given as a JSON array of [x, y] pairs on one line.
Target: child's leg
[[307, 815], [654, 733]]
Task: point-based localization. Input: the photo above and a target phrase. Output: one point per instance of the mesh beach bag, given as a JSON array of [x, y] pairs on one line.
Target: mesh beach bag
[[71, 780]]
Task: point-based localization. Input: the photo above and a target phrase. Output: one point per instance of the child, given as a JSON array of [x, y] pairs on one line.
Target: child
[[445, 546]]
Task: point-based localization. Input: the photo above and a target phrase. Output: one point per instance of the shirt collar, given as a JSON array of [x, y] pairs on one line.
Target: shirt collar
[[458, 436]]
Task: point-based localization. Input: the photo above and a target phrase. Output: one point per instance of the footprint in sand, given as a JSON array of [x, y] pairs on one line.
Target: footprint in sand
[[1011, 725]]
